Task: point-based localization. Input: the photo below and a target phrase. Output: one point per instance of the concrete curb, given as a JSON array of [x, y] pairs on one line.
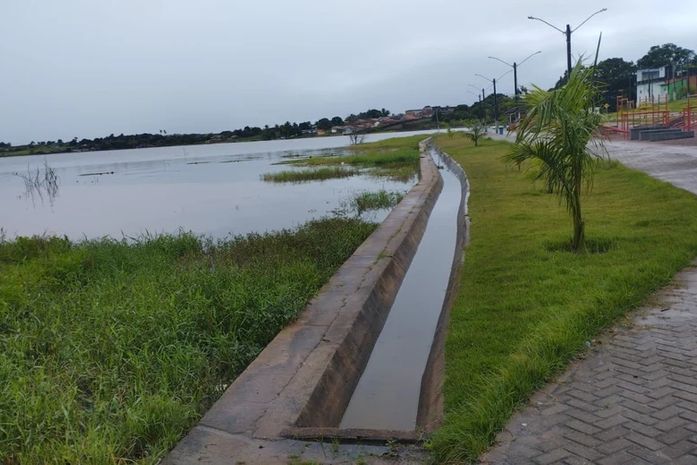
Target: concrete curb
[[303, 380]]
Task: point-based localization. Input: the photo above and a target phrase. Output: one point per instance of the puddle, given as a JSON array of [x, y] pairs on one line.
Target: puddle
[[387, 394]]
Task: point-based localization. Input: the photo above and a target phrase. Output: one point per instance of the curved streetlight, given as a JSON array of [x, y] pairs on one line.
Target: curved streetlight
[[515, 69], [568, 33], [496, 101]]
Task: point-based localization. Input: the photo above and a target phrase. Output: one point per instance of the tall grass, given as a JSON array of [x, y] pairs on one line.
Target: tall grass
[[376, 200], [526, 305], [307, 175], [110, 351]]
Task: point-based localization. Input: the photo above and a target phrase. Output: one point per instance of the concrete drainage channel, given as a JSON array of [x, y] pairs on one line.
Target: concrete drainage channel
[[364, 362]]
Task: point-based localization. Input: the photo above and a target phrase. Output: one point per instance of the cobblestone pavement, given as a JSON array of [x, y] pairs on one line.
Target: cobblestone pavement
[[633, 398]]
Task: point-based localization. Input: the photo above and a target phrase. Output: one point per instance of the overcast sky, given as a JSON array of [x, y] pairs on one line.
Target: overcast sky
[[89, 68]]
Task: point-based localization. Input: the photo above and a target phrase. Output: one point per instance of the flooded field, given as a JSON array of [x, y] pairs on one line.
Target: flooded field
[[215, 190]]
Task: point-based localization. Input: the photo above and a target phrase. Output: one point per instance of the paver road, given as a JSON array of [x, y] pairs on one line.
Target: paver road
[[633, 399]]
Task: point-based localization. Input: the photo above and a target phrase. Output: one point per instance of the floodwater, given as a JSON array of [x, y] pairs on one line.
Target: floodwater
[[387, 395], [214, 190]]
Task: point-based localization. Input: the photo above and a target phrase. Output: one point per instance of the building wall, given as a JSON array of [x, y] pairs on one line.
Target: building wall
[[648, 92]]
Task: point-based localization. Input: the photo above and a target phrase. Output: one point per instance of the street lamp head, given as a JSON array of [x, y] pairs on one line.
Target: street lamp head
[[504, 62]]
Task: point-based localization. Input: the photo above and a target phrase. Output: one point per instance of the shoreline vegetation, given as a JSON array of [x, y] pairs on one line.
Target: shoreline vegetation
[[110, 350], [379, 200], [308, 175], [396, 159], [146, 140], [527, 305]]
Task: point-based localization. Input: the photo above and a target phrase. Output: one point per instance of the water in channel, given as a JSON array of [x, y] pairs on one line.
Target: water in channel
[[387, 395]]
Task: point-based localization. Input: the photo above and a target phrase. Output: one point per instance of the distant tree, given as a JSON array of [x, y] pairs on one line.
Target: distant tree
[[324, 124], [385, 112], [661, 55], [373, 113], [337, 121], [615, 77]]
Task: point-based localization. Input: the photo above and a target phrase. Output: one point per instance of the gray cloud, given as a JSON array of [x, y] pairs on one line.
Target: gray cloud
[[92, 67]]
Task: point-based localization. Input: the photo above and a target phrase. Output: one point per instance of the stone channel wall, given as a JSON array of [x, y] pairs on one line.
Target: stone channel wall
[[303, 380]]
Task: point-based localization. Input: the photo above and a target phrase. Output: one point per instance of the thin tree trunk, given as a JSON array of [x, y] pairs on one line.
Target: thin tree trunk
[[579, 227]]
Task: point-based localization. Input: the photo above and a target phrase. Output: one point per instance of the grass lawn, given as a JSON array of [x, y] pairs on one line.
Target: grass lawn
[[526, 306], [110, 352]]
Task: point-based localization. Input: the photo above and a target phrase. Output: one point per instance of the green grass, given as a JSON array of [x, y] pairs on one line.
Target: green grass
[[110, 352], [376, 200], [526, 306], [396, 159], [307, 175]]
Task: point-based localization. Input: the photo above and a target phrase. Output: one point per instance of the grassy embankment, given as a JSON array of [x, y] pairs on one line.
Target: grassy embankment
[[110, 352], [396, 159], [526, 306]]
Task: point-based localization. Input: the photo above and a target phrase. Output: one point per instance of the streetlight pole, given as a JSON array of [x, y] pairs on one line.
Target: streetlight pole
[[568, 33], [496, 101], [515, 70]]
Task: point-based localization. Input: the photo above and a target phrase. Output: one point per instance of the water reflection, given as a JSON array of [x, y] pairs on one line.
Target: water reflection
[[214, 190], [40, 183]]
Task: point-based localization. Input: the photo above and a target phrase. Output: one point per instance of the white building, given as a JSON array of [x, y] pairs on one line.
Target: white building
[[651, 85]]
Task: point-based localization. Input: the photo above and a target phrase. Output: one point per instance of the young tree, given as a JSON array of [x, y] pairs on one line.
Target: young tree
[[476, 131], [559, 132]]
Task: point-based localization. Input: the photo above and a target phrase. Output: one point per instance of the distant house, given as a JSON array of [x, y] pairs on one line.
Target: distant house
[[652, 84]]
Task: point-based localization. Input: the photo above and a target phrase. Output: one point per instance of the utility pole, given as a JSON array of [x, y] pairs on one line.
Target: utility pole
[[568, 51], [496, 101], [496, 107], [567, 33], [516, 91]]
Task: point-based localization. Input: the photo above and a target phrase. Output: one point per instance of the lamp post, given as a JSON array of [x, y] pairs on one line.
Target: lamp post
[[481, 95], [515, 70], [568, 33], [496, 101]]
